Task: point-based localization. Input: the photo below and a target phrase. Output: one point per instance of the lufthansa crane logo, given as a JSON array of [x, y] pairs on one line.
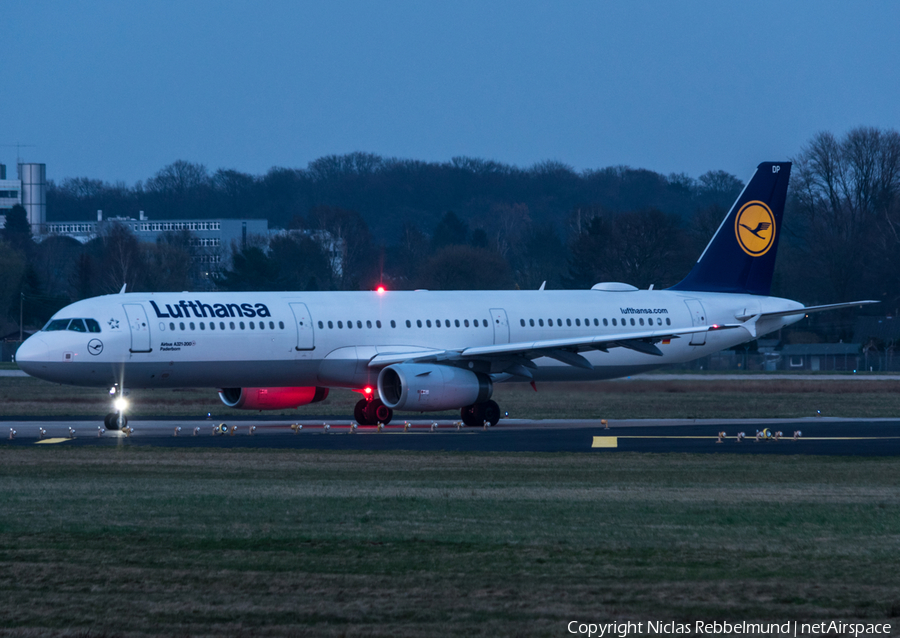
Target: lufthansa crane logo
[[95, 346], [754, 227]]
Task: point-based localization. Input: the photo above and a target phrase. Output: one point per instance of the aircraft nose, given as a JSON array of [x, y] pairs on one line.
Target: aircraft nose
[[32, 353]]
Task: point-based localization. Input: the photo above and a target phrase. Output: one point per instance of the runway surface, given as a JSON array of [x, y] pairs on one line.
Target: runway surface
[[829, 436]]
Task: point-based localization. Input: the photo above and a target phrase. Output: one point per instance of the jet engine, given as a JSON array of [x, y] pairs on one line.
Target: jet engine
[[425, 386], [271, 398]]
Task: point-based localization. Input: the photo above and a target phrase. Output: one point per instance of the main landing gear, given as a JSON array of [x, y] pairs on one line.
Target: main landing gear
[[478, 413], [372, 412]]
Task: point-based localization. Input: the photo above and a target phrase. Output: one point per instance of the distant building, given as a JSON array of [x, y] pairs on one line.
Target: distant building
[[207, 232], [211, 239], [821, 356], [10, 191], [29, 190]]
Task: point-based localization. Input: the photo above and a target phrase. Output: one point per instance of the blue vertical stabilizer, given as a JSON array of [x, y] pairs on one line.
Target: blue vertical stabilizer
[[741, 255]]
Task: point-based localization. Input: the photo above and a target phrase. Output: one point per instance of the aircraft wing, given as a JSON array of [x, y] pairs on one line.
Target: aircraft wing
[[564, 350]]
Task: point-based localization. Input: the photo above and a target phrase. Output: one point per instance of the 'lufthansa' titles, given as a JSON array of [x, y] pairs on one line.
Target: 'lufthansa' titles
[[200, 310]]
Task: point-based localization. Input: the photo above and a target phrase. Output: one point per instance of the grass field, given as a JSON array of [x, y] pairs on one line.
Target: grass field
[[750, 397], [142, 541]]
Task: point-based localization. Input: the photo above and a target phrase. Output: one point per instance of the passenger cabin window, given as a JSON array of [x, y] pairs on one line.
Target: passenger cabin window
[[522, 322], [428, 323], [321, 325], [393, 324], [192, 326], [437, 323], [456, 323], [614, 321], [578, 322], [531, 322], [605, 322]]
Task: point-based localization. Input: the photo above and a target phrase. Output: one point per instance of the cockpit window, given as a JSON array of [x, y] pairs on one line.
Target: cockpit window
[[75, 325], [57, 324]]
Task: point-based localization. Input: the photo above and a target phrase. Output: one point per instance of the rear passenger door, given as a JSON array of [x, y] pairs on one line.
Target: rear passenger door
[[501, 325]]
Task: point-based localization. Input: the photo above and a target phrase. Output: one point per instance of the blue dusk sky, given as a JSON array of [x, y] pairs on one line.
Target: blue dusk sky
[[117, 90]]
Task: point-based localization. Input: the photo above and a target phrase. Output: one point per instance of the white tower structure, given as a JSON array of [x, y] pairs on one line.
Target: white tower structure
[[34, 194]]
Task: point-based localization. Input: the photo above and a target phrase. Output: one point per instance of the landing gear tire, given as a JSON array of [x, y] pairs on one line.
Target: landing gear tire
[[372, 412], [111, 421], [359, 411], [378, 412], [476, 414], [491, 412], [469, 415]]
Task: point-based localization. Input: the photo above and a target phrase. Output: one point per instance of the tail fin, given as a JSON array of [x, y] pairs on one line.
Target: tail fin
[[741, 255]]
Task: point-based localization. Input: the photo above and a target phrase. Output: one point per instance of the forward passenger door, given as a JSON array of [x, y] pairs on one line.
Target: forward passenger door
[[306, 338]]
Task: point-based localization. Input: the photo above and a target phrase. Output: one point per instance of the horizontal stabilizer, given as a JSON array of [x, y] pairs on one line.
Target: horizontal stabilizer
[[809, 309]]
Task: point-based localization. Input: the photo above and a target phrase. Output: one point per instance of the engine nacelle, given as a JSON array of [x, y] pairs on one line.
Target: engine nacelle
[[426, 386], [271, 398]]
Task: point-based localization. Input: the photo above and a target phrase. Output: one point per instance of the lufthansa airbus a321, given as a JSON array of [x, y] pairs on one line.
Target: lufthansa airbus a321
[[425, 351]]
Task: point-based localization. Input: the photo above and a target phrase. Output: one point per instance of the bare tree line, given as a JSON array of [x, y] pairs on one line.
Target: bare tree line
[[471, 223]]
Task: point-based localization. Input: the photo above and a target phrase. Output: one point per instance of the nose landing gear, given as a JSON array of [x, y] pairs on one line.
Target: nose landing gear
[[478, 413], [117, 420]]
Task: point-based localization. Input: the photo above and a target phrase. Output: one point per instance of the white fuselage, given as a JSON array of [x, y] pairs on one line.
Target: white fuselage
[[327, 339]]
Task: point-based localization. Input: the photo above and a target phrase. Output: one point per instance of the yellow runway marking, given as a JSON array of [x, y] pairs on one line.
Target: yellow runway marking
[[51, 441], [613, 441]]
